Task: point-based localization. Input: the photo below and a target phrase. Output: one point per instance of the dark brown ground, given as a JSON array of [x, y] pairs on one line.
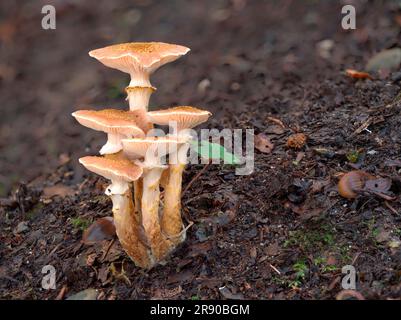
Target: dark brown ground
[[262, 61]]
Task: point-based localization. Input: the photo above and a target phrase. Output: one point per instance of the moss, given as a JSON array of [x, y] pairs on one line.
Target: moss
[[310, 239], [80, 223], [35, 211]]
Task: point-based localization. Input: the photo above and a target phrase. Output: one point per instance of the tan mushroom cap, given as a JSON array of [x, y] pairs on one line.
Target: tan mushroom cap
[[146, 55], [138, 147], [111, 121], [186, 117], [112, 168]]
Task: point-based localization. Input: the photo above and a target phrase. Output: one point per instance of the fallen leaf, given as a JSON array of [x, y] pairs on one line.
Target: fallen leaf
[[88, 294], [101, 229], [200, 248], [58, 190], [103, 274], [253, 253], [272, 249], [349, 295], [386, 59], [263, 143], [381, 185], [181, 277], [277, 121], [299, 158], [358, 74], [383, 236], [274, 129], [166, 293], [226, 293], [394, 244], [318, 185]]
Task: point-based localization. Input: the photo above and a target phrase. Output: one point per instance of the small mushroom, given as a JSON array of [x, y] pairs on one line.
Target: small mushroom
[[151, 150], [121, 172], [116, 123], [179, 118], [353, 183], [184, 117]]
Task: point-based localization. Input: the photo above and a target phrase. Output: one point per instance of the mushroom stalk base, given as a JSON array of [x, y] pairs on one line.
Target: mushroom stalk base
[[128, 230], [171, 221], [160, 245]]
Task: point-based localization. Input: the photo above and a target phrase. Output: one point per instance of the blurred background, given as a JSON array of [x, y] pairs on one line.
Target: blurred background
[[240, 49]]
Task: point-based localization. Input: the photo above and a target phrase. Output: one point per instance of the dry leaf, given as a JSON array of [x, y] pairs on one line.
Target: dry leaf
[[58, 190], [101, 229], [226, 293], [358, 74], [263, 143]]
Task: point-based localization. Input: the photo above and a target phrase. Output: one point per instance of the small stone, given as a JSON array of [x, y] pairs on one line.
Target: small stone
[[88, 294], [52, 218], [22, 227]]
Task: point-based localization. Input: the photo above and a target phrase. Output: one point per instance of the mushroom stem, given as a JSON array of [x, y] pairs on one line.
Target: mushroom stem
[[128, 230], [138, 188], [139, 77], [171, 220], [113, 144], [150, 213], [138, 97]]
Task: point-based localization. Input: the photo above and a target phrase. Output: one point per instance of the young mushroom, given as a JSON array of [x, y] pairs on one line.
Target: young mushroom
[[122, 172], [116, 123], [180, 118], [152, 150]]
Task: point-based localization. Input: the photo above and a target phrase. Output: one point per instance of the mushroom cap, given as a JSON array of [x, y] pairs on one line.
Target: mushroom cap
[[146, 55], [186, 117], [110, 121], [136, 148], [112, 168]]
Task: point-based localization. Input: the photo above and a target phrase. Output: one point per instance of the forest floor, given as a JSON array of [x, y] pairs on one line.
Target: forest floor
[[282, 232]]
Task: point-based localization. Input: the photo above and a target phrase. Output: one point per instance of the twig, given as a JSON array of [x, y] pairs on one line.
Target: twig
[[275, 269], [391, 208], [61, 294], [176, 236], [196, 177], [108, 249], [355, 258]]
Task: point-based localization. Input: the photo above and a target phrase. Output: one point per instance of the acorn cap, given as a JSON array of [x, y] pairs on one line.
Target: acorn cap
[[186, 117], [127, 57], [110, 121]]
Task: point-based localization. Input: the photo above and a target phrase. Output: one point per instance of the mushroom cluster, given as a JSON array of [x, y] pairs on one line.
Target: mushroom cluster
[[136, 161]]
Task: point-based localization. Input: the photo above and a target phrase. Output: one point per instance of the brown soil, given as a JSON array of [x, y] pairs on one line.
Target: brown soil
[[281, 233]]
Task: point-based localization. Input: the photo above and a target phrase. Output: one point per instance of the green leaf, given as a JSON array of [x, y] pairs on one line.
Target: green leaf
[[210, 150]]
